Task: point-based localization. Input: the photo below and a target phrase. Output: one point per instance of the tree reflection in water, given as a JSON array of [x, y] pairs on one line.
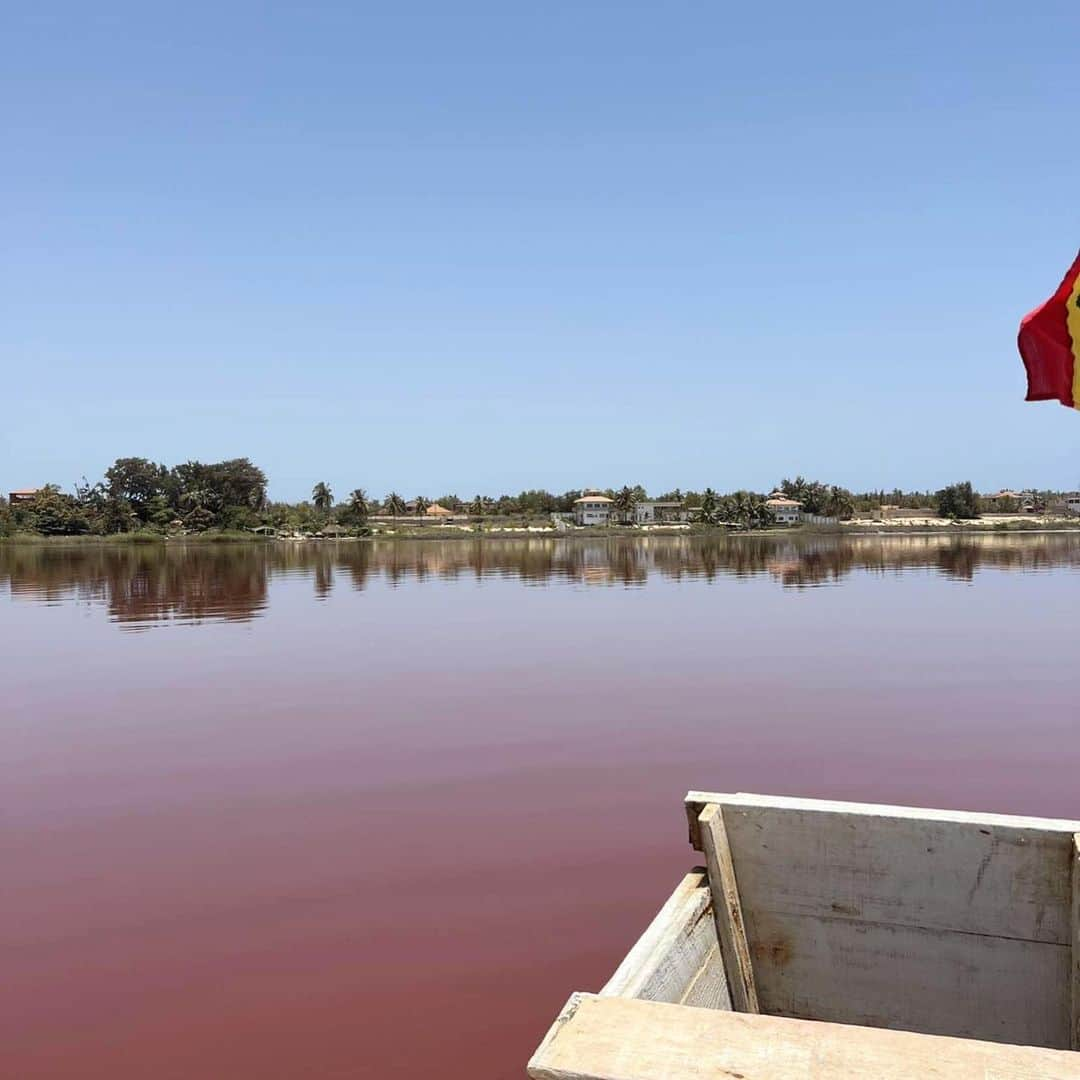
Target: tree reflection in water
[[143, 585]]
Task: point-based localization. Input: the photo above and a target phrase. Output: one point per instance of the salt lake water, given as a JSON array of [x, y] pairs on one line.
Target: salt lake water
[[377, 808]]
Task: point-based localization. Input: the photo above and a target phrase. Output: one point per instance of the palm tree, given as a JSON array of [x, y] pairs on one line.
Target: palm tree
[[421, 505], [476, 507], [625, 501], [761, 516], [322, 496], [744, 509], [795, 489], [358, 504], [708, 507], [395, 504], [839, 503]]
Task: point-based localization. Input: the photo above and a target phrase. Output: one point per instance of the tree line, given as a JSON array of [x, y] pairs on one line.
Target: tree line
[[139, 495]]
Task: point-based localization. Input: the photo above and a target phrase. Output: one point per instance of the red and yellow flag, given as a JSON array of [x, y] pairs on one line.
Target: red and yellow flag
[[1050, 344]]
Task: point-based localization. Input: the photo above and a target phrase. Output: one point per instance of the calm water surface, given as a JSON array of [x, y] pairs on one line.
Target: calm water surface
[[375, 810]]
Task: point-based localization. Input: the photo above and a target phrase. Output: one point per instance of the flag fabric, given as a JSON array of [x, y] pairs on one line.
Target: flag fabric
[[1050, 344]]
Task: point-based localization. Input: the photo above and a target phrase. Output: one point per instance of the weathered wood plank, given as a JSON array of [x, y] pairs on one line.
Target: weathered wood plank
[[727, 911], [933, 921], [701, 799], [671, 960], [980, 874], [1074, 1018], [620, 1039], [913, 979], [709, 988]]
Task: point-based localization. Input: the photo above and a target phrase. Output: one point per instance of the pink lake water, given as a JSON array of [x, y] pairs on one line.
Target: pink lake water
[[376, 809]]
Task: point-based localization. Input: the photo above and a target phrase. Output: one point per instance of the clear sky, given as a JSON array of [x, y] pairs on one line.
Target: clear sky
[[487, 246]]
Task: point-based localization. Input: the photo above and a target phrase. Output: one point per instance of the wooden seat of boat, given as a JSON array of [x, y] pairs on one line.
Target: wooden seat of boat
[[826, 938], [598, 1038]]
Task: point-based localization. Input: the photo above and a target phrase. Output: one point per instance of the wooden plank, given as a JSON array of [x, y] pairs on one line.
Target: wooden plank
[[981, 874], [727, 911], [1074, 1017], [621, 1039], [933, 921], [909, 978], [701, 799], [709, 988], [675, 959]]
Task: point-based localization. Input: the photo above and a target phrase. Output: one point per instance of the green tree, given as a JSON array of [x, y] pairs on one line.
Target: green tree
[[747, 510], [200, 506], [158, 512], [421, 505], [761, 517], [199, 519], [358, 505], [625, 500], [395, 504], [201, 498], [136, 481], [52, 513], [240, 483], [958, 502], [322, 496], [709, 507], [476, 507], [839, 503], [743, 505], [813, 495], [226, 488]]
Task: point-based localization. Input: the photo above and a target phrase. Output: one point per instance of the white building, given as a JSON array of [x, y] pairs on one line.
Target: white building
[[653, 511], [1072, 502], [592, 509], [786, 511]]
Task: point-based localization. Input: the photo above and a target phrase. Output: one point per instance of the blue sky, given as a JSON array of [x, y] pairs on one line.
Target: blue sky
[[487, 246]]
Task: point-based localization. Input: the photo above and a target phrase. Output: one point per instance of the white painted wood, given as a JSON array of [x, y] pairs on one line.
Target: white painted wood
[[1074, 1018], [926, 920], [918, 813], [727, 911], [912, 979], [620, 1039], [988, 879], [675, 960]]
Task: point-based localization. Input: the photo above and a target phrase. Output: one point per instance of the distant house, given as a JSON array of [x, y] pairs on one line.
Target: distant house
[[653, 511], [23, 495], [592, 509], [1005, 499], [1072, 502], [412, 507], [1026, 502], [786, 511]]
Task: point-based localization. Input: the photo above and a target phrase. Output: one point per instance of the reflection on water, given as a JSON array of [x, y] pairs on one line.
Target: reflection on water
[[144, 585], [219, 845]]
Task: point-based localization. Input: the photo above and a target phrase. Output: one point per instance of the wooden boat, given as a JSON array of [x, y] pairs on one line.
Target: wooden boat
[[836, 940]]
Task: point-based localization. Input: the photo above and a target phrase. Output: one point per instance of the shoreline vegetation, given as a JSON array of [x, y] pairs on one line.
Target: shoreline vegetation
[[142, 502], [978, 527]]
